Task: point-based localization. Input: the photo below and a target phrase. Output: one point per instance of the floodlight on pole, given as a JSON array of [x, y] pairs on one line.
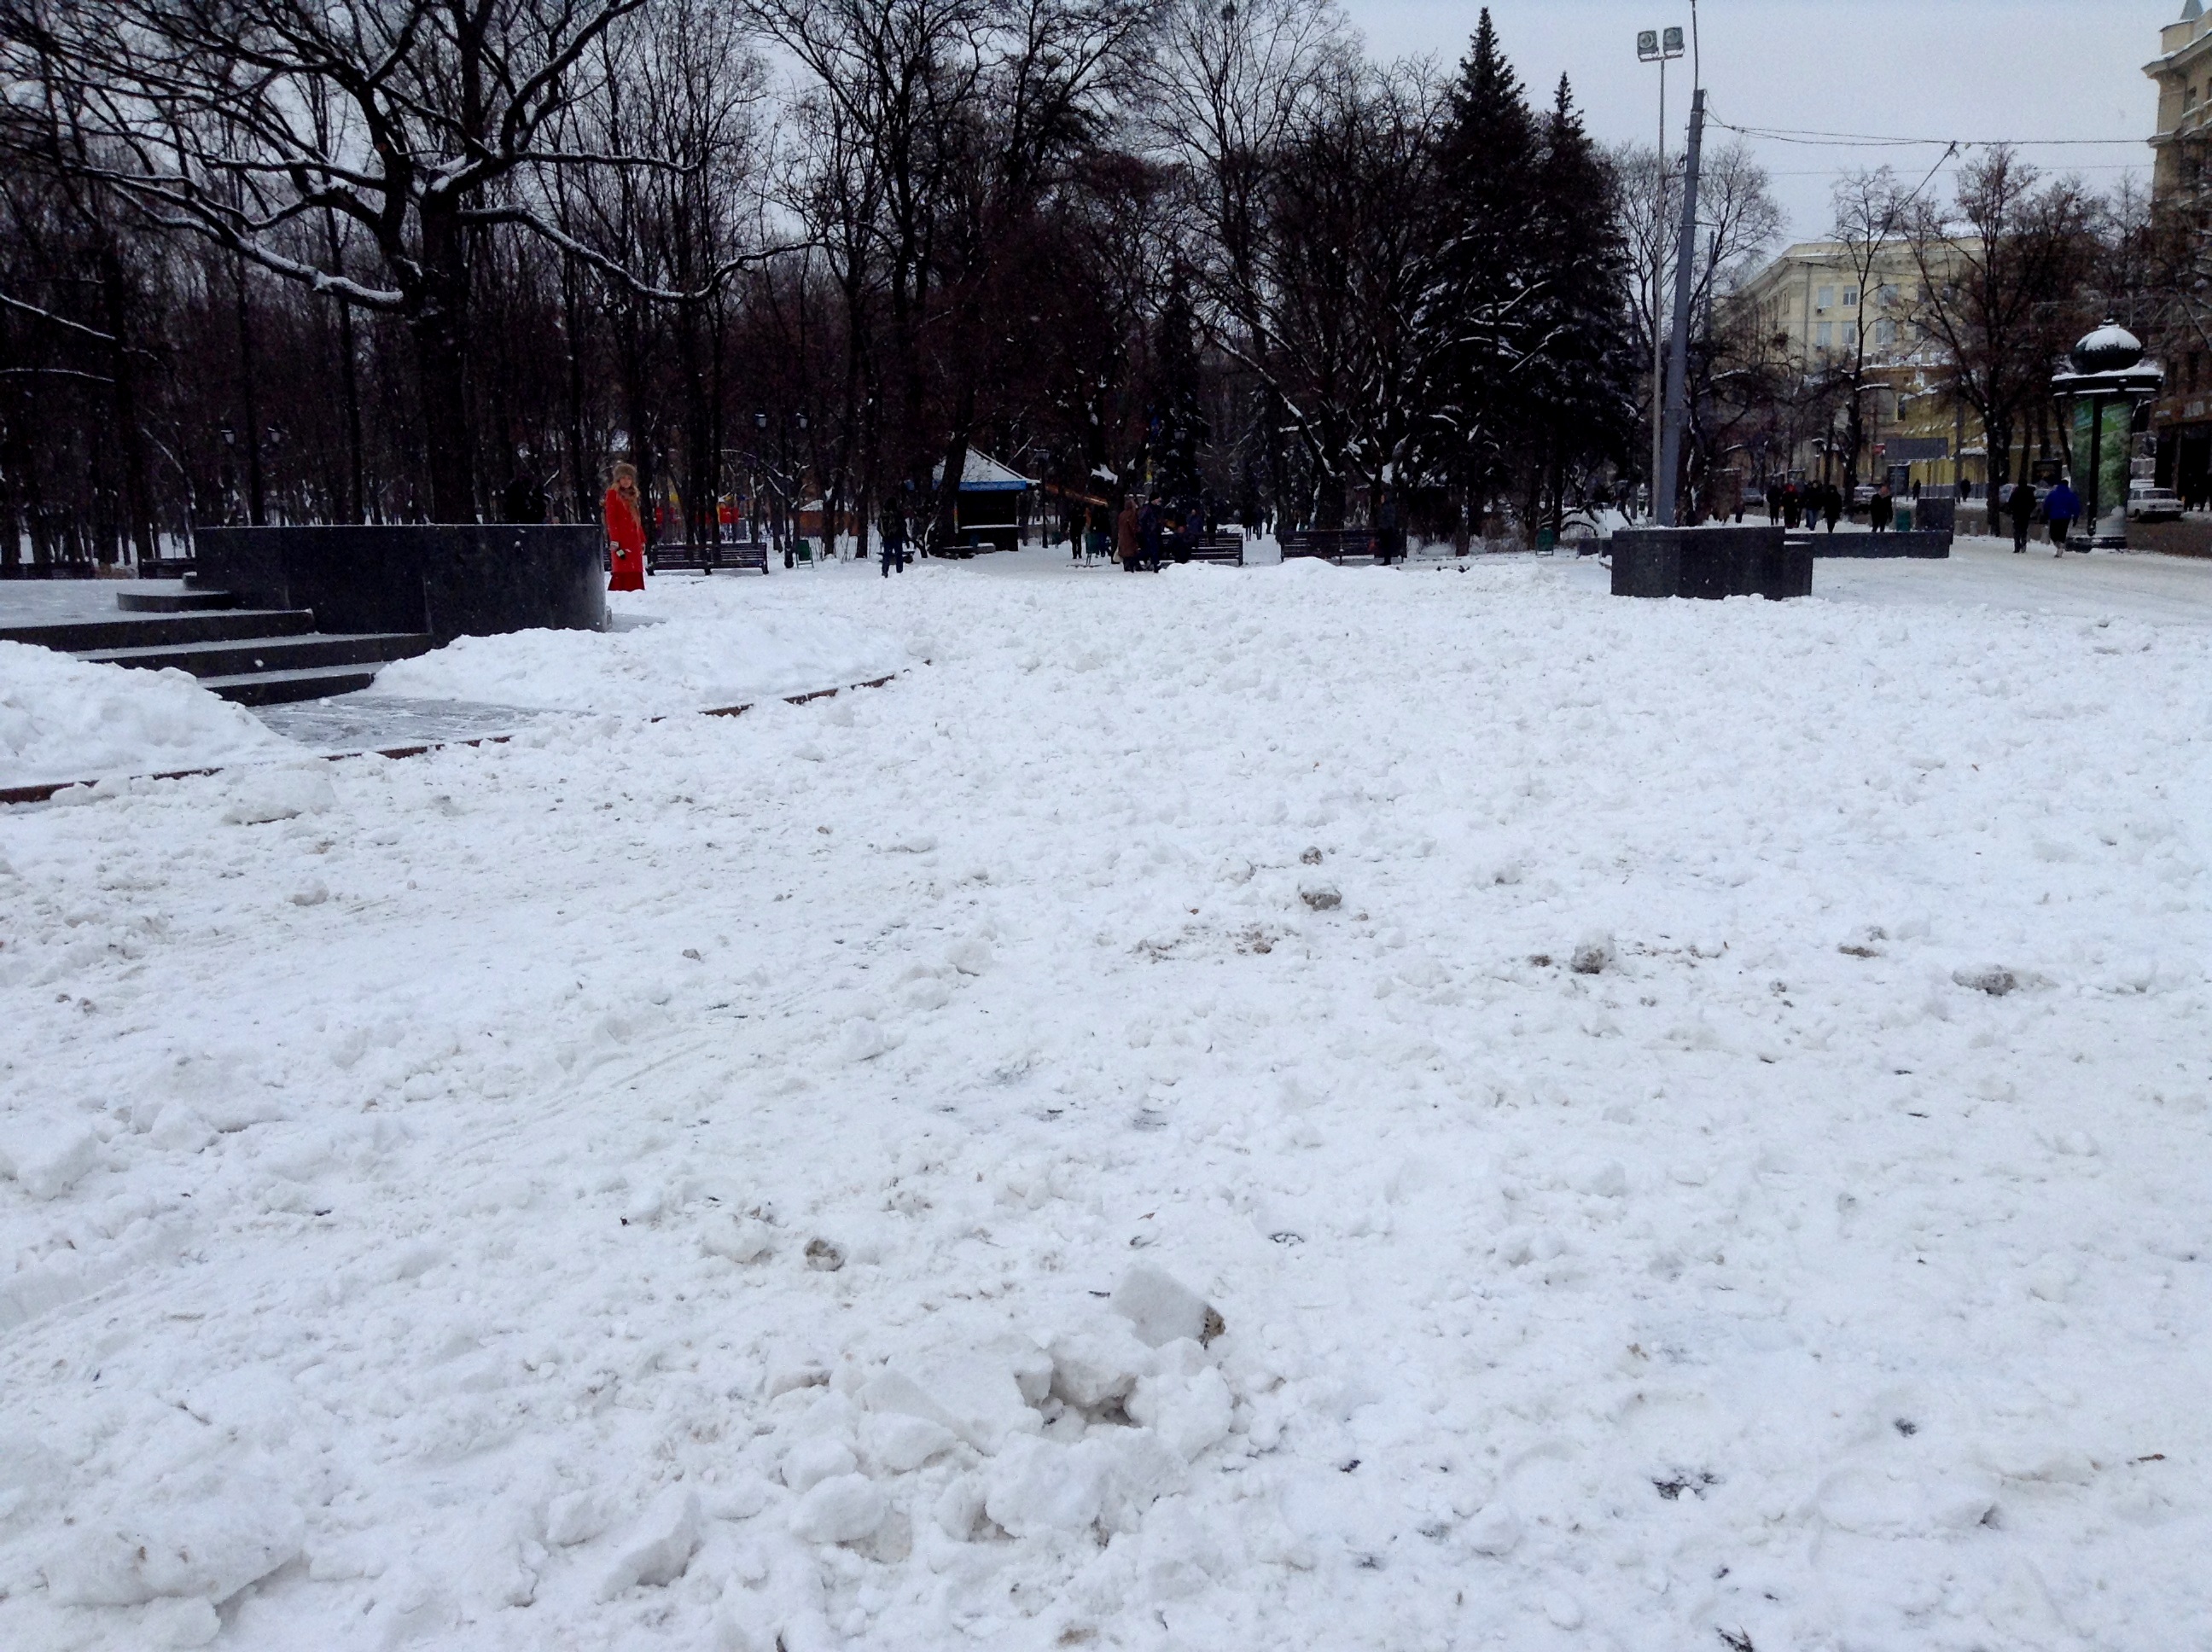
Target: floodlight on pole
[[1660, 46]]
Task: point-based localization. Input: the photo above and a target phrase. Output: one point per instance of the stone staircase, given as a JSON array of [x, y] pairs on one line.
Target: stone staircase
[[255, 656]]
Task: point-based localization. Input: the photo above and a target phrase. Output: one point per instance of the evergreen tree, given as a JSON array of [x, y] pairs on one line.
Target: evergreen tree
[[1481, 305], [1178, 427], [1582, 385]]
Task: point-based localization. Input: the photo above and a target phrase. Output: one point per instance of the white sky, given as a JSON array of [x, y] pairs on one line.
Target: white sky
[[1966, 69]]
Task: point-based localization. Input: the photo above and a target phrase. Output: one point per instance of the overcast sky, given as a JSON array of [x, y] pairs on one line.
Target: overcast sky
[[1975, 70]]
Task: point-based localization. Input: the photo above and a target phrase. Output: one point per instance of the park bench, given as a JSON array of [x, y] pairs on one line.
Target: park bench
[[1333, 544], [741, 556], [1224, 548]]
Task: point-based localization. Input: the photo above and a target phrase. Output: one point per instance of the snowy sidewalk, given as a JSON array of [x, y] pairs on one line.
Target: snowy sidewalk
[[664, 1184]]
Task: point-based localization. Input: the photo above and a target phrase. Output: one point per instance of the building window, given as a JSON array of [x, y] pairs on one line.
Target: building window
[[1828, 298], [1851, 298], [1884, 332], [1826, 334], [1887, 297]]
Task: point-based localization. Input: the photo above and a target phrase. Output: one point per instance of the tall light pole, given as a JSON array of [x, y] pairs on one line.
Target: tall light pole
[[1654, 45], [1686, 258]]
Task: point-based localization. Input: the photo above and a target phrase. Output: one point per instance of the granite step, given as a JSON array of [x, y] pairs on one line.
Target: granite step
[[239, 656], [163, 630], [173, 602]]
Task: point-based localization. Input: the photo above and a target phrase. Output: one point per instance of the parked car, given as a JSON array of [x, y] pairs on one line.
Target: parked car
[[2146, 503]]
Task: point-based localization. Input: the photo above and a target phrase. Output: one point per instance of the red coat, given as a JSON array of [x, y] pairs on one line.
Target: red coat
[[626, 535]]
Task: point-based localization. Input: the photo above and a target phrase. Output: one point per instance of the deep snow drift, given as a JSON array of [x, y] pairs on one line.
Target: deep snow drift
[[720, 641], [62, 720], [1292, 1109]]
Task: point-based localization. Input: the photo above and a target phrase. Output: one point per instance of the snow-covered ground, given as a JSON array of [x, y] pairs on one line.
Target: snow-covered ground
[[1690, 1121], [685, 644], [62, 719]]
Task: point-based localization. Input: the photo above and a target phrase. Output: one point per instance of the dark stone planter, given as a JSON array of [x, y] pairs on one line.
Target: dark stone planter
[[1708, 562], [1784, 571], [1933, 545], [446, 581], [1646, 565]]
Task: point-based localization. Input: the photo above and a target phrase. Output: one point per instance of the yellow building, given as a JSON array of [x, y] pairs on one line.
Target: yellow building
[[2182, 418], [2182, 72], [1817, 308]]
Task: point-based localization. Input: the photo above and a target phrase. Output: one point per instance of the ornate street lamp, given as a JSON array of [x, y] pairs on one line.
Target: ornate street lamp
[[2106, 376]]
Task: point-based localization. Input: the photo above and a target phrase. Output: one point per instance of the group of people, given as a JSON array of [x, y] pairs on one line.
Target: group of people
[[625, 527], [1145, 534], [1790, 503], [2061, 508]]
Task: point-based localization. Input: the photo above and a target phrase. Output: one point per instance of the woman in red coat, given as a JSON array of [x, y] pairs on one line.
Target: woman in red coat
[[625, 532]]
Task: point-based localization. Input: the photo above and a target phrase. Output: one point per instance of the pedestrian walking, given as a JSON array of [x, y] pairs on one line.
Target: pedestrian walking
[[1832, 505], [1128, 537], [1151, 525], [1773, 503], [2022, 507], [2060, 507], [625, 532], [1882, 509], [1793, 506], [891, 530]]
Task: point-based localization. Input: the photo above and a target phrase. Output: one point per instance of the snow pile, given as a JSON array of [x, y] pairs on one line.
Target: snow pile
[[64, 719], [1373, 1109], [724, 643]]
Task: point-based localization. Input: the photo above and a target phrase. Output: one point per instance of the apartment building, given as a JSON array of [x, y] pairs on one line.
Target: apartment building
[[1813, 307], [2182, 418]]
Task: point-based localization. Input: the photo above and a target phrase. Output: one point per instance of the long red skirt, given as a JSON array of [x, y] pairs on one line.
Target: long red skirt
[[629, 570]]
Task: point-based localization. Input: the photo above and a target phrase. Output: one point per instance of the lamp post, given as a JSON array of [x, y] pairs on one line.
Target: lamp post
[[1662, 47]]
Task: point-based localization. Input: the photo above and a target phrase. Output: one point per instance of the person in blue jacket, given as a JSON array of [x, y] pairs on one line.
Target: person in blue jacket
[[2060, 507]]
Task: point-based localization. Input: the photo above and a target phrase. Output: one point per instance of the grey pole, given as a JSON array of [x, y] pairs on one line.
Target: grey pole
[[1678, 361], [1658, 276]]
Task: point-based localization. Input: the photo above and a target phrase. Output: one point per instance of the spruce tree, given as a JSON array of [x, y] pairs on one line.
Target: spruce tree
[[1479, 304], [1582, 387]]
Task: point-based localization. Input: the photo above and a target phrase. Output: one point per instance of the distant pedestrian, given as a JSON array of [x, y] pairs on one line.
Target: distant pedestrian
[[1128, 537], [1151, 523], [891, 530], [523, 499], [1793, 506], [1882, 509], [1832, 505], [1773, 503], [625, 532], [2060, 507], [2021, 508]]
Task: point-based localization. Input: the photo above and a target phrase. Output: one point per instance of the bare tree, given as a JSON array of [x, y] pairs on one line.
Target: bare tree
[[2001, 274], [411, 119]]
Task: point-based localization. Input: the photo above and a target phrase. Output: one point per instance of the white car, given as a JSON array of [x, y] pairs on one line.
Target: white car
[[2149, 504]]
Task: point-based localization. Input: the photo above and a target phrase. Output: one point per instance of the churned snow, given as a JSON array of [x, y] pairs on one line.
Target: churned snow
[[724, 640], [1295, 1108], [62, 720]]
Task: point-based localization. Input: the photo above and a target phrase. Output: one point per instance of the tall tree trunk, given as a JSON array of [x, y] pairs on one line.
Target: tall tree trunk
[[439, 326], [946, 529], [130, 440], [581, 483], [250, 401]]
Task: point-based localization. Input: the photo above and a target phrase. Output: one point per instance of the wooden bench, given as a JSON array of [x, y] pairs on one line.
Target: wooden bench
[[1333, 544], [1224, 548], [740, 555]]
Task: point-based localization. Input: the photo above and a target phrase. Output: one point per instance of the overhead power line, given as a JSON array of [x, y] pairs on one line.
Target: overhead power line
[[1867, 140]]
